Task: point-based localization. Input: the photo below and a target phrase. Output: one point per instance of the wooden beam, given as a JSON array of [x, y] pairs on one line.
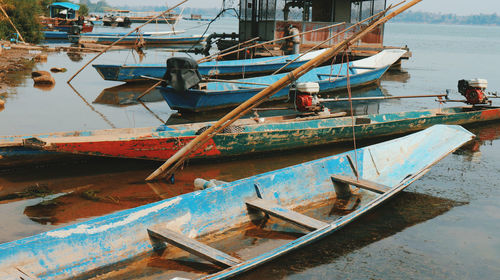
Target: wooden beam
[[360, 183], [288, 215], [194, 247]]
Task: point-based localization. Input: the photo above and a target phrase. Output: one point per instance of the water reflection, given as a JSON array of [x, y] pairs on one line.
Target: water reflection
[[44, 87], [75, 56], [485, 134], [126, 94], [400, 76], [403, 211], [92, 107]]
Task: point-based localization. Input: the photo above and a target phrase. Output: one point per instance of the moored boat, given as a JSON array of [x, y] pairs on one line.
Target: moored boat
[[224, 94], [136, 38], [263, 134], [136, 72], [363, 179]]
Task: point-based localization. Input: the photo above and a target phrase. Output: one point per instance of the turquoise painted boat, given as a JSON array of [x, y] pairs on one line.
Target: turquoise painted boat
[[219, 95], [203, 222], [247, 136], [137, 72]]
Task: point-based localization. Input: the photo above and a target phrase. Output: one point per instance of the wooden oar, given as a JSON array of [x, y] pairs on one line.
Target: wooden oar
[[178, 158], [124, 36]]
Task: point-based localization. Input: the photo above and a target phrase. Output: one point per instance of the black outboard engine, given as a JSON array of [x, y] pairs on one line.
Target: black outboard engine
[[182, 73], [127, 22]]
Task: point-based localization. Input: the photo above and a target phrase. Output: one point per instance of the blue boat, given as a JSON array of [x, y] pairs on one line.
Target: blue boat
[[136, 72], [59, 35], [297, 200], [218, 95]]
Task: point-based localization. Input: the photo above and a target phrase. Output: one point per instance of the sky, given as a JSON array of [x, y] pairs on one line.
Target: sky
[[460, 7]]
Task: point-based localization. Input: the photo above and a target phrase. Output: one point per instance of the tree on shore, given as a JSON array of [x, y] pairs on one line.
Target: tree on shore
[[24, 14]]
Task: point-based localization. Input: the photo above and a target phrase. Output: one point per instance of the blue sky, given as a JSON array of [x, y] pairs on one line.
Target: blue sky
[[461, 7]]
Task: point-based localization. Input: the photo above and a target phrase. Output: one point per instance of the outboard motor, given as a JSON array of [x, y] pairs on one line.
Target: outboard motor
[[182, 73], [473, 90], [306, 98]]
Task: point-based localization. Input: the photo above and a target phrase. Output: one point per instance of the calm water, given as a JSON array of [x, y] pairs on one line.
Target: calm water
[[445, 225]]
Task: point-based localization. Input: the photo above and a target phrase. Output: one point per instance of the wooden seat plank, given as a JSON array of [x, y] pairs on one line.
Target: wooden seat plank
[[361, 183], [287, 215], [194, 247]]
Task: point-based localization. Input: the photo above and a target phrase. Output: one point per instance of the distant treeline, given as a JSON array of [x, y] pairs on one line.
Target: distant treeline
[[425, 17]]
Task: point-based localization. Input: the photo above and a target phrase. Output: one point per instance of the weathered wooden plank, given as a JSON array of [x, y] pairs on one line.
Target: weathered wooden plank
[[285, 214], [194, 247], [364, 184]]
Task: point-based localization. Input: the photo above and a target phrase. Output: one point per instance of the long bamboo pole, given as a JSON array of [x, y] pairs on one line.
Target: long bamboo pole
[[116, 42], [178, 159]]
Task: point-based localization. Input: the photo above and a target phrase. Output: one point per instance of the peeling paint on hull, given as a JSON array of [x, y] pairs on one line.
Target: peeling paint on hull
[[76, 249], [261, 138]]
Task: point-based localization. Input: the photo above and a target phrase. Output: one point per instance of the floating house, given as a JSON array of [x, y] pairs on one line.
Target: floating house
[[268, 19], [64, 10]]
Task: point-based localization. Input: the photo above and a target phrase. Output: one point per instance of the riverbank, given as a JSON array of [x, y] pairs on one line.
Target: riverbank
[[12, 62]]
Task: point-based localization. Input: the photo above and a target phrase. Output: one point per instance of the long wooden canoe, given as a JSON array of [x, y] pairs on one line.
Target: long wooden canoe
[[137, 72], [202, 222], [248, 135], [132, 40], [217, 95]]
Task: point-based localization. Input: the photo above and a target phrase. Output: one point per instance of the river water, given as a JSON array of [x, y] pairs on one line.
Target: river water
[[445, 225]]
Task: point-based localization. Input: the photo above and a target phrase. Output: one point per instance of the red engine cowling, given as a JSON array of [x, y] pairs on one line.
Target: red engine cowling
[[473, 95], [303, 102]]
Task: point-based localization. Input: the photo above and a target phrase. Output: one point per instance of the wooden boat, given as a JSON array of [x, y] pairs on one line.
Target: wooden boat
[[134, 39], [297, 200], [75, 37], [217, 95], [247, 136], [136, 72]]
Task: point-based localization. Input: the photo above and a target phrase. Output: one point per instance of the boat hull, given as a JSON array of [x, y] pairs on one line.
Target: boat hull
[[205, 100], [136, 72], [273, 136], [132, 40], [81, 248]]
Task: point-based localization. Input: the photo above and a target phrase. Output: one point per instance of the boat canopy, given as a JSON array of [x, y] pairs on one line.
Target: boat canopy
[[64, 10]]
